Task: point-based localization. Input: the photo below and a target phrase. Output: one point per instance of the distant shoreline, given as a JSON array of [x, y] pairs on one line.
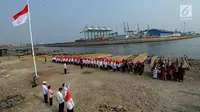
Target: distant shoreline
[[119, 41]]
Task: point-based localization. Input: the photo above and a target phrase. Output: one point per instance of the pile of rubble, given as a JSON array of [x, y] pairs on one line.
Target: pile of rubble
[[195, 65], [108, 108], [11, 101]]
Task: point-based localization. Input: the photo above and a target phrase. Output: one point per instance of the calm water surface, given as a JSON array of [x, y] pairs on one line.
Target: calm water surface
[[190, 47]]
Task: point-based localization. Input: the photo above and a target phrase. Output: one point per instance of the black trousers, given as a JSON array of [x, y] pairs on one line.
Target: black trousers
[[45, 98], [114, 70], [51, 101], [123, 69], [118, 69], [135, 70], [72, 110], [180, 77], [65, 70], [130, 69], [81, 66], [61, 107], [109, 67]]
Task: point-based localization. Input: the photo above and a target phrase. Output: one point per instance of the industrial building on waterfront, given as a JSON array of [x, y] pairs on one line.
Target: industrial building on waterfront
[[91, 33], [158, 33], [104, 33]]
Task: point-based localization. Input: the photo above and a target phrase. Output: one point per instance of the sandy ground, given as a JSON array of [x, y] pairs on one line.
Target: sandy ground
[[94, 90]]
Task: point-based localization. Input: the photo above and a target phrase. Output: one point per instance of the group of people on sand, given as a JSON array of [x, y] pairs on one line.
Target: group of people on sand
[[168, 72], [63, 97], [102, 63]]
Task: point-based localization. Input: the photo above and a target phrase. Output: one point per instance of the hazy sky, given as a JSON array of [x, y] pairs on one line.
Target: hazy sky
[[62, 20]]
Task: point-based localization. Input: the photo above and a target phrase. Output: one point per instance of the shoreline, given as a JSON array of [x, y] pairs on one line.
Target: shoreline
[[119, 41]]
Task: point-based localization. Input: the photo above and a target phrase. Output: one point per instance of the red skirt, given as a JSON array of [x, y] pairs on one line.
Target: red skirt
[[164, 74]]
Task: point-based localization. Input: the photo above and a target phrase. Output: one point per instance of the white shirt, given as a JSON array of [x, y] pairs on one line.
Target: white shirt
[[101, 63], [106, 64], [114, 66], [44, 89], [70, 104], [155, 73], [88, 61], [65, 66], [92, 62], [95, 62], [119, 65], [60, 97], [65, 91], [111, 64]]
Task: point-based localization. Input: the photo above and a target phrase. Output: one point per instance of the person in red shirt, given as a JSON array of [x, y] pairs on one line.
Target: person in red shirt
[[109, 65], [123, 65], [114, 66], [129, 68], [164, 75], [61, 59], [173, 71], [136, 68], [117, 63], [141, 67], [81, 63]]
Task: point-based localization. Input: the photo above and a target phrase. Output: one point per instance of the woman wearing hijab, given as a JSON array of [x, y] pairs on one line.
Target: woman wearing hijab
[[155, 73]]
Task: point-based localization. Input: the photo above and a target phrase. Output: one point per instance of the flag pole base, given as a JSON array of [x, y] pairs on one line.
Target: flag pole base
[[35, 81]]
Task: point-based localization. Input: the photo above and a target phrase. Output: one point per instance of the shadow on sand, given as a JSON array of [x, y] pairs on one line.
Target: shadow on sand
[[41, 99]]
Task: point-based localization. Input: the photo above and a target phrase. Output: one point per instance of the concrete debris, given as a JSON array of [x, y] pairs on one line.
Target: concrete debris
[[108, 108], [11, 101]]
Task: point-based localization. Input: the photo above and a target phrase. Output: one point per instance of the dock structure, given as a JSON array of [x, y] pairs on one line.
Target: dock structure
[[3, 51], [95, 32]]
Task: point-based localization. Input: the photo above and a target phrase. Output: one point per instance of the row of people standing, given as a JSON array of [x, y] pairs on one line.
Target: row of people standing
[[168, 72], [63, 97], [106, 64], [89, 62]]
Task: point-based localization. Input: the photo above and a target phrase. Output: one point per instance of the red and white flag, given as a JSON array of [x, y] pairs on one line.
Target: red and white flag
[[21, 17], [69, 101]]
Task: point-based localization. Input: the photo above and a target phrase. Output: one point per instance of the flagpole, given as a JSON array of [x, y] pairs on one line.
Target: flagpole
[[33, 52]]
